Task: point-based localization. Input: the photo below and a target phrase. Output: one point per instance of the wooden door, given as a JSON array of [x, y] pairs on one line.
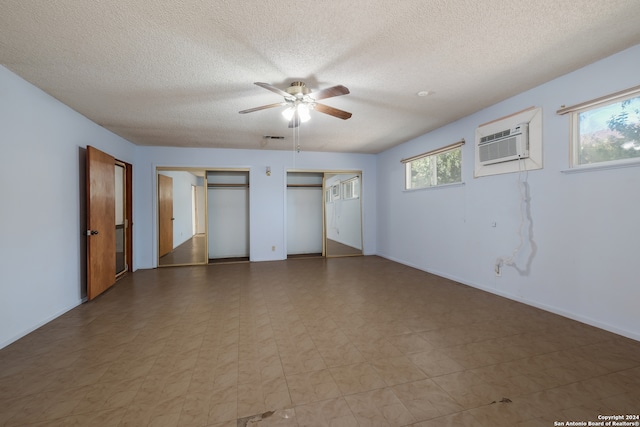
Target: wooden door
[[101, 219], [165, 214]]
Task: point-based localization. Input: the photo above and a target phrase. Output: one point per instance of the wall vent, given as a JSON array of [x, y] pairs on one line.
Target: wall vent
[[506, 145]]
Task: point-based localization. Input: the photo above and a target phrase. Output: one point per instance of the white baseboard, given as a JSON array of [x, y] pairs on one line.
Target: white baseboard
[[552, 309], [39, 324]]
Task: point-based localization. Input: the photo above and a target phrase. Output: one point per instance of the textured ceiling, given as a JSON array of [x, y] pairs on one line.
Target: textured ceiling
[[176, 73]]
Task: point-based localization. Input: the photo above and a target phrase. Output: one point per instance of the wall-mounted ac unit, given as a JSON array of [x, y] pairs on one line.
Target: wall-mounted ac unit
[[506, 145]]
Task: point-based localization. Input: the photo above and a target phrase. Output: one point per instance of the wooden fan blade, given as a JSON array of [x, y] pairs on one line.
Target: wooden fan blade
[[264, 107], [295, 120], [273, 89], [329, 92], [333, 111]]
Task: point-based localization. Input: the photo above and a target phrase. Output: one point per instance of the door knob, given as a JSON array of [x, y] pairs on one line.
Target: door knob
[[92, 232]]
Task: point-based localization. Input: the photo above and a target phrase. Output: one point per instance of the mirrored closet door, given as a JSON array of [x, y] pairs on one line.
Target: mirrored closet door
[[342, 214], [181, 217]]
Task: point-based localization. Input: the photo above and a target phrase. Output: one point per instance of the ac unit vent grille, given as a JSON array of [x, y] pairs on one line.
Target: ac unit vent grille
[[503, 146], [497, 135], [506, 148]]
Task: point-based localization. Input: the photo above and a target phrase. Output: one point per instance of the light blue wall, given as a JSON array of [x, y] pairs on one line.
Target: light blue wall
[[42, 268], [267, 222], [585, 225]]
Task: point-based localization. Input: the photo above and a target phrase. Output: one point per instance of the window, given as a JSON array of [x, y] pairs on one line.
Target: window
[[438, 167], [327, 196], [335, 191], [606, 129], [350, 188]]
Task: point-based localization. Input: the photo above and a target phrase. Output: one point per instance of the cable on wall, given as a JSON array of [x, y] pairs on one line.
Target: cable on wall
[[524, 207]]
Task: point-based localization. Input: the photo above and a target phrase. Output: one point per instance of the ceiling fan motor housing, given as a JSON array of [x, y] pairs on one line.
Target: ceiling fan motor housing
[[298, 89]]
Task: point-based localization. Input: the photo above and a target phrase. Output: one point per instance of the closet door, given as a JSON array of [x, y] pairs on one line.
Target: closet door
[[228, 214], [304, 213], [304, 220]]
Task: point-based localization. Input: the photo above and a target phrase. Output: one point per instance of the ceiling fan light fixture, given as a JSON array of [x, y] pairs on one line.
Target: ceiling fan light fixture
[[303, 111], [301, 108], [288, 113]]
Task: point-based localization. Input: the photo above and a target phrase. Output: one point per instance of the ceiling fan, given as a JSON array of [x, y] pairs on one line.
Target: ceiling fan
[[299, 100]]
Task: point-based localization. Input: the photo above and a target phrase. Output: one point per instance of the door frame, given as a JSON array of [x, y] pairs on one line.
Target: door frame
[[192, 169], [128, 215]]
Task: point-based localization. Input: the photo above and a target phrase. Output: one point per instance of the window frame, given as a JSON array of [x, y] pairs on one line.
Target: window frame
[[433, 155]]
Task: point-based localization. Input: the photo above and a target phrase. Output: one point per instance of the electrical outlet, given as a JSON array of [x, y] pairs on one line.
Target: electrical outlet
[[273, 248], [498, 270]]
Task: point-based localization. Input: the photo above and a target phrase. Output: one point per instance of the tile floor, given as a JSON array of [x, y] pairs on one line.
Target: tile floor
[[193, 251], [312, 342]]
